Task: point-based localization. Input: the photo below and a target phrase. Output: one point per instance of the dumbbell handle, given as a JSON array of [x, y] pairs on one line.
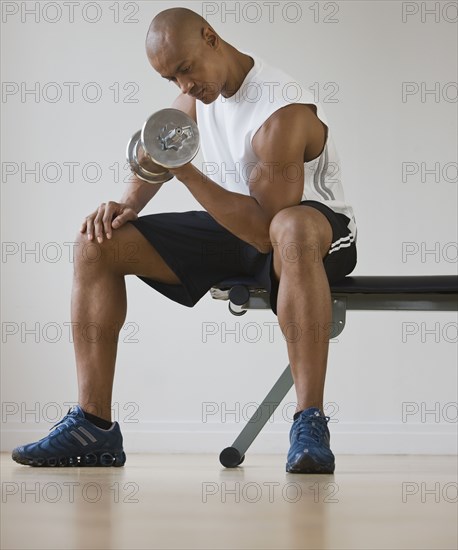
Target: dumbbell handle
[[174, 139]]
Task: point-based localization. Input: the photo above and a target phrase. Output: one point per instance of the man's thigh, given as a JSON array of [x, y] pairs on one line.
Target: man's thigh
[[128, 252], [198, 250]]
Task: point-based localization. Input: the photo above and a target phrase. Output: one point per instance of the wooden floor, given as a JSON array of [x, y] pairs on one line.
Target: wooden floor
[[190, 501]]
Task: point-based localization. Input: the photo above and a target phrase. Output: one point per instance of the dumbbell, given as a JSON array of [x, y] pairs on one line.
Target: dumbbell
[[168, 139]]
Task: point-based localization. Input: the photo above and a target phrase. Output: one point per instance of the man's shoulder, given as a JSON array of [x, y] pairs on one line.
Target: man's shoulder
[[272, 84]]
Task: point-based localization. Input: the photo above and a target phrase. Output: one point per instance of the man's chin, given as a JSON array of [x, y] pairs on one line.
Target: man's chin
[[208, 98]]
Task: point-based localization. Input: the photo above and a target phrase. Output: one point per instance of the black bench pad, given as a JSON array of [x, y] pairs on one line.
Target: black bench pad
[[408, 284], [362, 284]]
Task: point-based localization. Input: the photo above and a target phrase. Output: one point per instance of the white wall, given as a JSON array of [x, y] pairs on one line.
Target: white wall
[[166, 374]]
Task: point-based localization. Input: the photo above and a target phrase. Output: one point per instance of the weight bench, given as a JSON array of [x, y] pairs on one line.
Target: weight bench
[[411, 293]]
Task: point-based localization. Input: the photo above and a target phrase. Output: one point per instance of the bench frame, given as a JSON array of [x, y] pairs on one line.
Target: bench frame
[[246, 295]]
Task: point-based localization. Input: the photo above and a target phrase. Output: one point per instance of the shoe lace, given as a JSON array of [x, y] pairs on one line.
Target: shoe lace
[[63, 420], [312, 427]]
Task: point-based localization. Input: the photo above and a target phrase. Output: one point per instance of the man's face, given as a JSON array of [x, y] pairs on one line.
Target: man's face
[[193, 66]]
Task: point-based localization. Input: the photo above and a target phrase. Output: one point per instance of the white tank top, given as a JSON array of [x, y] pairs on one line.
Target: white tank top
[[227, 127]]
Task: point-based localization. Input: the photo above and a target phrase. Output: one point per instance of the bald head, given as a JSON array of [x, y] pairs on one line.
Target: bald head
[[176, 25]]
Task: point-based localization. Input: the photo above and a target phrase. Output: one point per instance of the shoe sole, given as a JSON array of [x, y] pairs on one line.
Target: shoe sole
[[308, 466], [97, 459]]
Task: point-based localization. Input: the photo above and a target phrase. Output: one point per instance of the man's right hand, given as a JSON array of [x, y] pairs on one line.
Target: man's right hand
[[108, 216], [146, 162]]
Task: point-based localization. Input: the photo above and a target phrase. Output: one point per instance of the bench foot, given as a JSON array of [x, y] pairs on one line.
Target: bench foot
[[230, 457]]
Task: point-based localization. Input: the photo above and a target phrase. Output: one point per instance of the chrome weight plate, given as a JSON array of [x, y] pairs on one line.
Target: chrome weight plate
[[170, 137], [138, 169]]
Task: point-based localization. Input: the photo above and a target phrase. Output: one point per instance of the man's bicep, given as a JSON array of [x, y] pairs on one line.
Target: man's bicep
[[277, 185], [277, 181]]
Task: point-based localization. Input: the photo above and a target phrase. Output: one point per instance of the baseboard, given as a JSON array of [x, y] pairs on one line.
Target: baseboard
[[346, 438]]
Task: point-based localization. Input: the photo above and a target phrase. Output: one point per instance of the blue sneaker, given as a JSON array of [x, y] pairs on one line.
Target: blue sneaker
[[309, 438], [74, 441]]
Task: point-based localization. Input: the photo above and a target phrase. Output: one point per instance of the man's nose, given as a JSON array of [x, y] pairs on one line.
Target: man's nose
[[185, 85]]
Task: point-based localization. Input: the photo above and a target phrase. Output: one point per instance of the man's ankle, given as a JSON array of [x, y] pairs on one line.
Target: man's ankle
[[309, 405], [102, 423]]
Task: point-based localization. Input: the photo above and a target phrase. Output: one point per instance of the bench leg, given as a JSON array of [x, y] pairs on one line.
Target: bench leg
[[232, 456]]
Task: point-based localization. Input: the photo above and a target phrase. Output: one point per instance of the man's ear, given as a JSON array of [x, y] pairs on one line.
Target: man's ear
[[210, 37]]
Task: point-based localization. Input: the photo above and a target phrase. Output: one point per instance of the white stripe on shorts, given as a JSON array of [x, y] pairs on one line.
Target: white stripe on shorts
[[345, 242]]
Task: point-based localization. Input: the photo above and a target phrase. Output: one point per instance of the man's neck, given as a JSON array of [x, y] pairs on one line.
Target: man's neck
[[239, 67]]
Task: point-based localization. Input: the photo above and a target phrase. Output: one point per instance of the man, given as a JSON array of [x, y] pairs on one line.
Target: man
[[277, 213]]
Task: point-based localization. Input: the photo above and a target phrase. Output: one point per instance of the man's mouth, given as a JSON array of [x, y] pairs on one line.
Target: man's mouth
[[198, 95]]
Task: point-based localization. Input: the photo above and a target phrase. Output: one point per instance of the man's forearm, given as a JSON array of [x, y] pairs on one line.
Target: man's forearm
[[138, 193], [240, 214]]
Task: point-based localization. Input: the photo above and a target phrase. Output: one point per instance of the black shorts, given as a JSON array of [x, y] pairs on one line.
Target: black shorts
[[202, 253]]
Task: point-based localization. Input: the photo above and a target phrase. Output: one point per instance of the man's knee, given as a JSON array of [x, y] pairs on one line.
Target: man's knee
[[300, 231], [92, 254], [86, 252]]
